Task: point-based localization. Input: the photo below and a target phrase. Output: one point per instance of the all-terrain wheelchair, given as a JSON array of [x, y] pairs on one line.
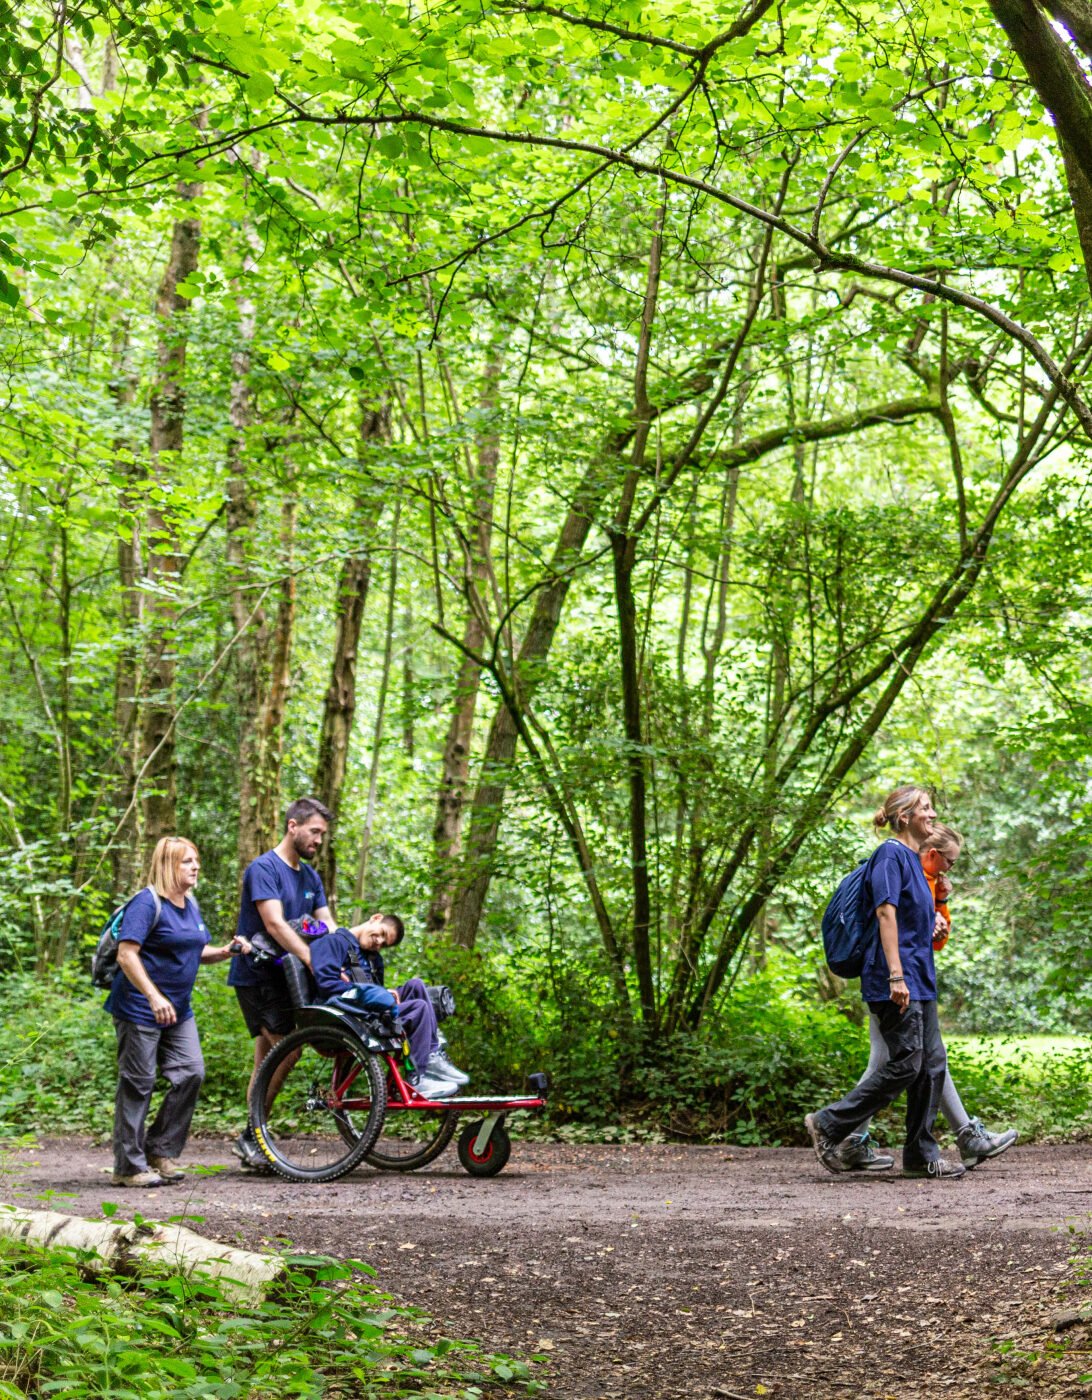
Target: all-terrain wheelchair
[[333, 1094]]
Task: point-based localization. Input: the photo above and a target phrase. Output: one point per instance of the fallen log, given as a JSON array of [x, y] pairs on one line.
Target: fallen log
[[128, 1247]]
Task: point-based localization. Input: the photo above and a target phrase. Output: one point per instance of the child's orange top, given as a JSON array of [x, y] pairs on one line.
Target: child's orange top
[[939, 939]]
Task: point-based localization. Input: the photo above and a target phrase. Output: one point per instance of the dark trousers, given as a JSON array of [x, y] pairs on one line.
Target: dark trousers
[[419, 1018], [175, 1052], [917, 1063]]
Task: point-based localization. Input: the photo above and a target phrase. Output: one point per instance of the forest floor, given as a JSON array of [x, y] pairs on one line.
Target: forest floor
[[656, 1272]]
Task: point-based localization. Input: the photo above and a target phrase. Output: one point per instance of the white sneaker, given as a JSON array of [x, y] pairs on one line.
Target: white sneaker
[[430, 1088], [440, 1067]]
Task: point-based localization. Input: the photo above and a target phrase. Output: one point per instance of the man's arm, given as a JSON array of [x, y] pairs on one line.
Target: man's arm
[[278, 928]]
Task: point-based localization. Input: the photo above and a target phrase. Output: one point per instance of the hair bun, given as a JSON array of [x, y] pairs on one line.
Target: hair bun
[[880, 819]]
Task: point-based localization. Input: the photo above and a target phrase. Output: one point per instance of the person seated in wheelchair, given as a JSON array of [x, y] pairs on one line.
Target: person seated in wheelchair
[[354, 957]]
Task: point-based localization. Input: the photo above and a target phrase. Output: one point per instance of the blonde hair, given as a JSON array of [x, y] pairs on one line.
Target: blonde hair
[[165, 862], [946, 840], [898, 807]]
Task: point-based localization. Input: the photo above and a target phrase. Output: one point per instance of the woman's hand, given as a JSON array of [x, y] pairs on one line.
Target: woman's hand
[[162, 1009], [900, 994]]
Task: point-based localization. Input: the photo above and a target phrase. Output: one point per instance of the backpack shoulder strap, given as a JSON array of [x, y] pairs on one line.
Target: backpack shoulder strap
[[156, 901]]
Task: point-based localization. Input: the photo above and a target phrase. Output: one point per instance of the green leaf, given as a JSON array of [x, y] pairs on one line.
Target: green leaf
[[259, 88]]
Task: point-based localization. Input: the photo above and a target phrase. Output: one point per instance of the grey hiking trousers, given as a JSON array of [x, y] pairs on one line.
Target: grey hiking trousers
[[175, 1053]]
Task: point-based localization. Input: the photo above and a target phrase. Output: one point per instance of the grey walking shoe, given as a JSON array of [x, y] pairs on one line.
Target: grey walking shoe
[[976, 1144], [826, 1148], [439, 1066], [937, 1170], [431, 1088], [858, 1154]]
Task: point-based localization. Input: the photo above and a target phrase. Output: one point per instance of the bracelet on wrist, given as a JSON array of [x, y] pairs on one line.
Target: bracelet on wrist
[[897, 978]]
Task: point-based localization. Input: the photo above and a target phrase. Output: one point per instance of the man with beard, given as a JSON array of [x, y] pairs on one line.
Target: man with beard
[[277, 887]]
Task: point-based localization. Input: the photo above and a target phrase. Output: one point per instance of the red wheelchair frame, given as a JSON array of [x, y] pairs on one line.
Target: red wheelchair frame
[[332, 1095]]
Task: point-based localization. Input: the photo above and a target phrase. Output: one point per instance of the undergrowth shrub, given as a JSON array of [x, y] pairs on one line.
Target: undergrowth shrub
[[770, 1054], [75, 1334]]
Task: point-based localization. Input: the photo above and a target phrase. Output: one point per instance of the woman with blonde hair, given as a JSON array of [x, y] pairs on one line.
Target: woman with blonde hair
[[161, 943], [898, 981]]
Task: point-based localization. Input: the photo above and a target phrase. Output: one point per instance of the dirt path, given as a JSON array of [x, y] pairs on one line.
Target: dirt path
[[666, 1272]]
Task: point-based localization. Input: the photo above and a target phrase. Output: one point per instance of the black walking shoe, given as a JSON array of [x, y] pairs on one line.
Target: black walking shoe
[[249, 1153], [937, 1170], [858, 1153], [976, 1144], [826, 1148]]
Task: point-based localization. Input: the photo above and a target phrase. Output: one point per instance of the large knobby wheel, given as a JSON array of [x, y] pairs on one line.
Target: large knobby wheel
[[318, 1103], [412, 1138], [493, 1159]]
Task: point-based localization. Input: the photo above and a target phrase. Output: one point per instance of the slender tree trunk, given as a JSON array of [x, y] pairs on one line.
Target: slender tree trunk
[[125, 852], [157, 745], [409, 682], [274, 703], [500, 748], [624, 554], [263, 614], [339, 706], [364, 862], [448, 829], [249, 614]]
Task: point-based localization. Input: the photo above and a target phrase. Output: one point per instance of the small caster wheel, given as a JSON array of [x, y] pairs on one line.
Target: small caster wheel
[[493, 1159]]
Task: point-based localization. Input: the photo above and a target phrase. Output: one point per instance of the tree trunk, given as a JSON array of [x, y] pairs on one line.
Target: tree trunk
[[264, 647], [361, 886], [125, 1246], [1063, 89], [126, 847], [481, 841], [339, 706], [447, 833], [157, 745], [248, 613]]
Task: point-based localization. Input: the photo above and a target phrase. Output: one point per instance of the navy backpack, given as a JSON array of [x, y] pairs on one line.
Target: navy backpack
[[848, 926]]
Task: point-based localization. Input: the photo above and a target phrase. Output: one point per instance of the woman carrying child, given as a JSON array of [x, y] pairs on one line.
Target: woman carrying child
[[161, 943], [938, 855], [898, 981]]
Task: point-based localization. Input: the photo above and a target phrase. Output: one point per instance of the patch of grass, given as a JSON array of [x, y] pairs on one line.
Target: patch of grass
[[327, 1332], [1036, 1054]]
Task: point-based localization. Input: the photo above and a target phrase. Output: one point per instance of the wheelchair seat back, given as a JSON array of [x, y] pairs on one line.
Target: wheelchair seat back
[[301, 985]]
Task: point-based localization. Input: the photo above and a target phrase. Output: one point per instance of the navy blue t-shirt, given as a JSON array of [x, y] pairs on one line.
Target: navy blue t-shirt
[[896, 877], [332, 954], [299, 891], [170, 949]]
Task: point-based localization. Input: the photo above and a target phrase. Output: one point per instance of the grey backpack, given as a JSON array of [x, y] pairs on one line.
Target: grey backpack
[[104, 962]]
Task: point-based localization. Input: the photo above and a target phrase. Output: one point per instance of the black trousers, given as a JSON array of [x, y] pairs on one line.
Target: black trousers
[[917, 1064]]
